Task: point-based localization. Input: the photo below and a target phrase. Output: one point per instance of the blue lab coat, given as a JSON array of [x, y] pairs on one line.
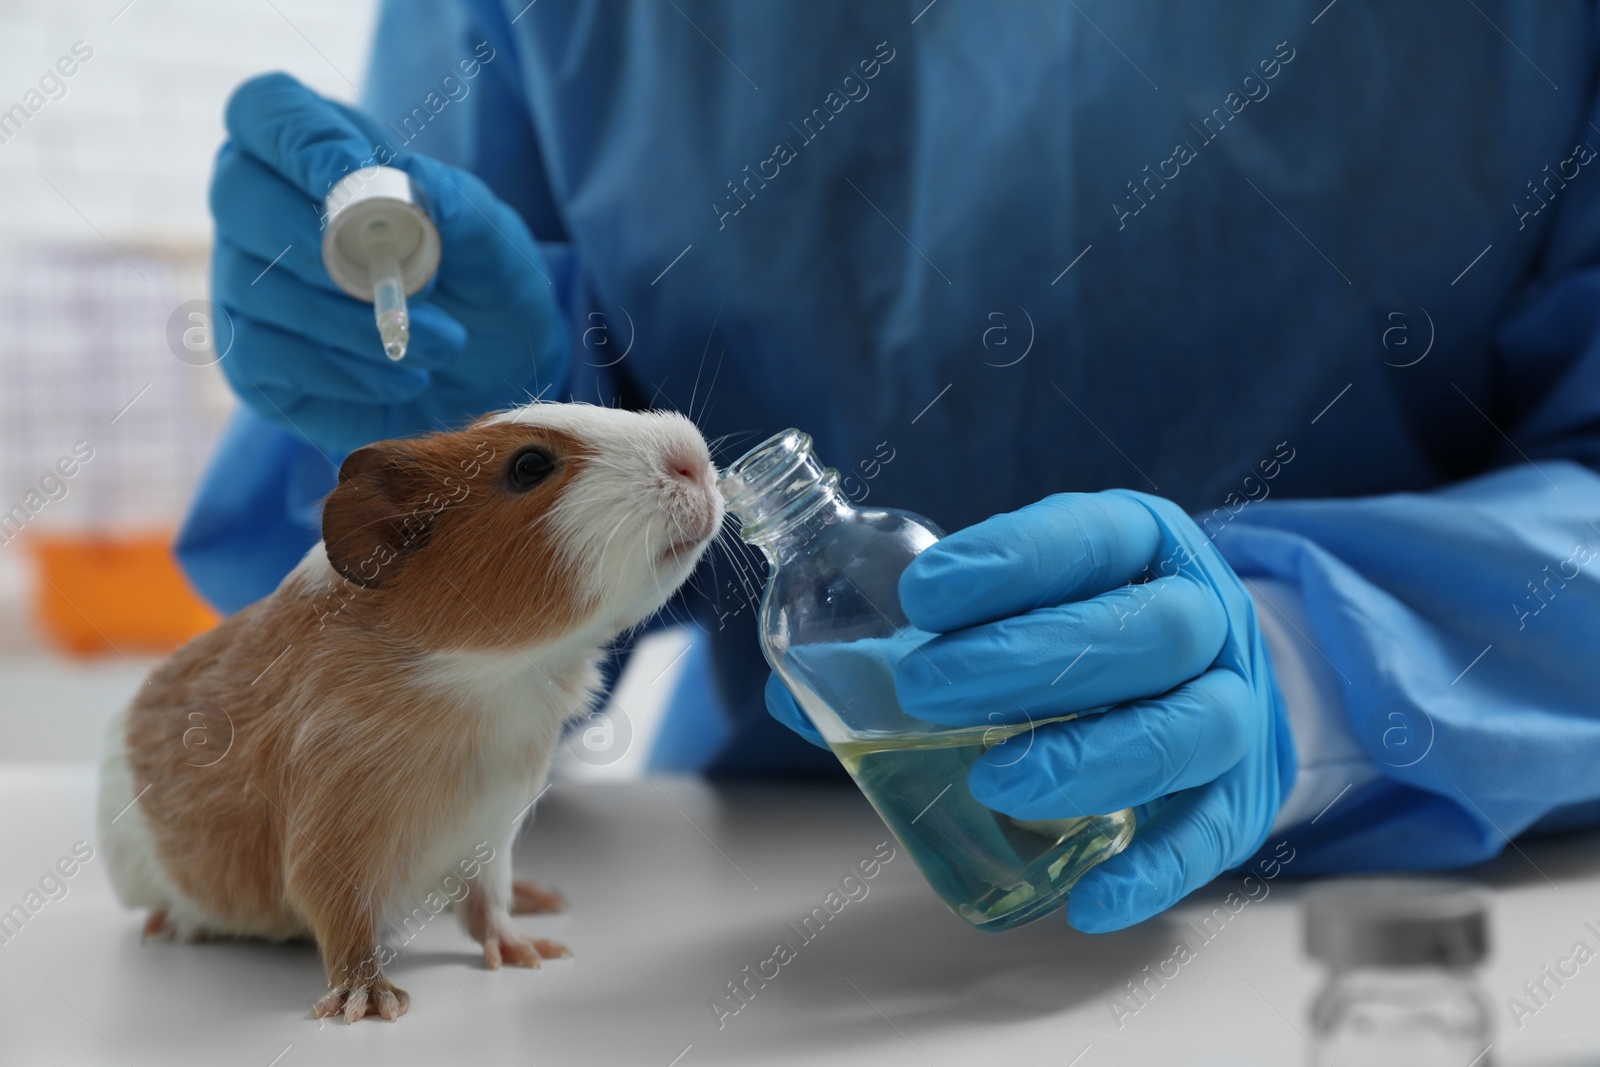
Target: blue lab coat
[[1329, 281]]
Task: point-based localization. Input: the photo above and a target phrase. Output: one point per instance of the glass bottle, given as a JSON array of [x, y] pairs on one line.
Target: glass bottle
[[831, 626], [1402, 987]]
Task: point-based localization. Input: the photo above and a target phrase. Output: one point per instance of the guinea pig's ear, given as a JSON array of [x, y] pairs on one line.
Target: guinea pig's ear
[[376, 515]]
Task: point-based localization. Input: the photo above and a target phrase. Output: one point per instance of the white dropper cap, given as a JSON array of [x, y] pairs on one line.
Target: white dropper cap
[[380, 245]]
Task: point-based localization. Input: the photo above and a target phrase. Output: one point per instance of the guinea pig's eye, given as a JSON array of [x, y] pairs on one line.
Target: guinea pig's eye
[[529, 467]]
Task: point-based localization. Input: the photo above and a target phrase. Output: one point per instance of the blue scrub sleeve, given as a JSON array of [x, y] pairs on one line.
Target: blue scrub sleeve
[[1462, 624], [256, 512]]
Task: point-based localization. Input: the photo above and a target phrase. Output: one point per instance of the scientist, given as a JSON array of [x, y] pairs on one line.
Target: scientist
[[1252, 350]]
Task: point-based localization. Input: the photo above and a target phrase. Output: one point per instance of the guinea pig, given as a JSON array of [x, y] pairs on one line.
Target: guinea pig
[[380, 726]]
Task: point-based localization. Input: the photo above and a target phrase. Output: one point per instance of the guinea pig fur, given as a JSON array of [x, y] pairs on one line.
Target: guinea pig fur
[[383, 722]]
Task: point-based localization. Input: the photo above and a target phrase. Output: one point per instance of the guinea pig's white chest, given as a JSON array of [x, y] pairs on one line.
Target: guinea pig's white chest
[[516, 711]]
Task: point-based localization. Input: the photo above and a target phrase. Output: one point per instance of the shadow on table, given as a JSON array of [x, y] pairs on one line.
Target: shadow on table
[[909, 961], [284, 977]]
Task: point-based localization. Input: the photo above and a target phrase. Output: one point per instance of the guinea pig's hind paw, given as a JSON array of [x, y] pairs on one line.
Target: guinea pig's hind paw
[[381, 998], [531, 898]]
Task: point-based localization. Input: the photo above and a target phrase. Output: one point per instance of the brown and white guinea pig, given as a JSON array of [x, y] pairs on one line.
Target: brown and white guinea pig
[[379, 727]]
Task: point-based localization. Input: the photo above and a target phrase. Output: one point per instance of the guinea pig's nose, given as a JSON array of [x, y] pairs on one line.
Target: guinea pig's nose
[[687, 466]]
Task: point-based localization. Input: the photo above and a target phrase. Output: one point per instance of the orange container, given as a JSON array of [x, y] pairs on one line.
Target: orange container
[[102, 593]]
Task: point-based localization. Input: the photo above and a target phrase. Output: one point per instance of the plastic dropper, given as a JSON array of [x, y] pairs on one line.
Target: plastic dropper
[[388, 288], [381, 245]]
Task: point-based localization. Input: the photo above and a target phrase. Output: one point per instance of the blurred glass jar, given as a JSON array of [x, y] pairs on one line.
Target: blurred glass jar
[[1403, 986]]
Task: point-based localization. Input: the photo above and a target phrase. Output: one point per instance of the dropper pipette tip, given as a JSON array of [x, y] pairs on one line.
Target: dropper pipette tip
[[388, 292]]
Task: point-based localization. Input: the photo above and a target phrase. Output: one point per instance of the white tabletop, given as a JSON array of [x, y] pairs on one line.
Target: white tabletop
[[675, 887]]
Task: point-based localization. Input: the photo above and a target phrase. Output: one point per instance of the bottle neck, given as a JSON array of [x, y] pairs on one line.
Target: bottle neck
[[782, 494]]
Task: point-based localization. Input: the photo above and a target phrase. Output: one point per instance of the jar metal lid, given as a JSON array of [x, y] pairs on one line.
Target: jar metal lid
[[1396, 922]]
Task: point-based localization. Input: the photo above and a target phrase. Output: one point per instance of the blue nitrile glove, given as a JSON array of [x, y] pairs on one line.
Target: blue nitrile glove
[[486, 333], [1037, 619]]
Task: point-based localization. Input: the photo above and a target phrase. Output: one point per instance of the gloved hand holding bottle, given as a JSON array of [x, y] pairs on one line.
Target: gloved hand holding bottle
[[1077, 603], [486, 333]]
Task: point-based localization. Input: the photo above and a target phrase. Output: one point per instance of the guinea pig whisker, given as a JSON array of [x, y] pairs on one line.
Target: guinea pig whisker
[[649, 553], [666, 598], [715, 446], [715, 597], [535, 522], [695, 583], [601, 562], [705, 405], [692, 583], [608, 465], [676, 523], [738, 566], [740, 550]]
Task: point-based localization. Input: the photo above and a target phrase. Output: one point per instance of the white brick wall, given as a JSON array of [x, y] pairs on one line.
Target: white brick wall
[[131, 142], [116, 167], [128, 149]]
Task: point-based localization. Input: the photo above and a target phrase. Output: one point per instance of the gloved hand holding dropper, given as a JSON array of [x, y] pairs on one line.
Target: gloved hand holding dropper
[[484, 334]]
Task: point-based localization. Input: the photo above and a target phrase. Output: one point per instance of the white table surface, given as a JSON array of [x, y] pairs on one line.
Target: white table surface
[[675, 887]]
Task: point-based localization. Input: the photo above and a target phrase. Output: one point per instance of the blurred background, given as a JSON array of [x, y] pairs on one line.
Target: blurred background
[[106, 366]]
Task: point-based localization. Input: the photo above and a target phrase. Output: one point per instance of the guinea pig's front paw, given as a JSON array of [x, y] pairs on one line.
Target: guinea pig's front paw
[[531, 898], [379, 997], [520, 950], [490, 925], [158, 927]]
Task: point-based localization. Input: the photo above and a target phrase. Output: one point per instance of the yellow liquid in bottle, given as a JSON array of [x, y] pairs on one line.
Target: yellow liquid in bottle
[[995, 871]]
